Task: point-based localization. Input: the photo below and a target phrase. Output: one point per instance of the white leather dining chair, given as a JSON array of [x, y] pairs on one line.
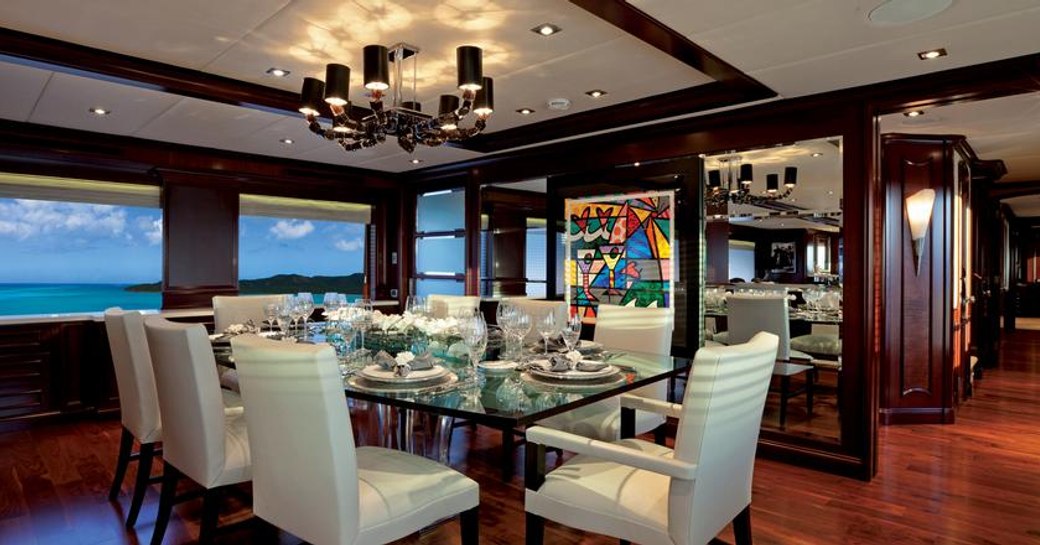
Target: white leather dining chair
[[239, 309], [537, 310], [749, 314], [444, 306], [138, 402], [201, 440], [633, 329], [308, 477], [647, 494]]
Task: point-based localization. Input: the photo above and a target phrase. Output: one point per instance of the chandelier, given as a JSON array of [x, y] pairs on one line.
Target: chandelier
[[735, 186], [401, 119]]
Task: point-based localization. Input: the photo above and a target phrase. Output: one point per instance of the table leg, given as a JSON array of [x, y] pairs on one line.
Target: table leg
[[628, 423], [785, 386], [407, 430], [810, 384], [508, 445]]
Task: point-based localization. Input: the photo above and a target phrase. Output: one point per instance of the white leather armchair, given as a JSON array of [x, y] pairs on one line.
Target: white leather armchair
[[308, 477], [537, 310], [633, 329], [239, 309], [648, 494], [443, 306]]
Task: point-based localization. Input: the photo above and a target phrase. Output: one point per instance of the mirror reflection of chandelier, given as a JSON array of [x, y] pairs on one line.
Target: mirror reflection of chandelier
[[402, 119], [732, 183]]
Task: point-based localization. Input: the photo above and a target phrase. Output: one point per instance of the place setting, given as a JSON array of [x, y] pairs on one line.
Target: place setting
[[562, 364], [403, 373]]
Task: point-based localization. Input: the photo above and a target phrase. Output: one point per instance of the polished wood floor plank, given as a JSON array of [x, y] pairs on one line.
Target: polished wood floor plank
[[971, 483]]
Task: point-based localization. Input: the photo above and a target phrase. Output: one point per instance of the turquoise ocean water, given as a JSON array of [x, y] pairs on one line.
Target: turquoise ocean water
[[74, 298]]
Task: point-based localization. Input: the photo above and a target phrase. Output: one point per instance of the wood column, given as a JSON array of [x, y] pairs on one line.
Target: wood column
[[200, 238]]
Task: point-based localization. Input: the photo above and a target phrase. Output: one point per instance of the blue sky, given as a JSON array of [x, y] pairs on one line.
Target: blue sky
[[58, 242]]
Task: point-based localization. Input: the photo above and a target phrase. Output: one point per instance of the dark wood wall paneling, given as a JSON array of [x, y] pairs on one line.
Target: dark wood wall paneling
[[507, 211]]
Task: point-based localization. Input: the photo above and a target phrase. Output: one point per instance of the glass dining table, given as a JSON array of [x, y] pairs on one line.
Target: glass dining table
[[508, 399]]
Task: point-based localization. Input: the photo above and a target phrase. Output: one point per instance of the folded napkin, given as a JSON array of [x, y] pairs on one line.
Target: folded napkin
[[239, 329], [555, 343], [561, 363], [404, 363]]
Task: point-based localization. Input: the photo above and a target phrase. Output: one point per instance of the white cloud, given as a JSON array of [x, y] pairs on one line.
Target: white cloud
[[25, 218], [151, 228], [291, 229], [349, 245]]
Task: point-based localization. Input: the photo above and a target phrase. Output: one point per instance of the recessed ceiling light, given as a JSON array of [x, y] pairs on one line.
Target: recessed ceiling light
[[817, 154], [931, 54], [830, 192], [99, 111], [635, 164], [902, 12], [278, 72], [546, 29], [596, 93], [287, 141], [416, 161], [525, 111], [913, 113]]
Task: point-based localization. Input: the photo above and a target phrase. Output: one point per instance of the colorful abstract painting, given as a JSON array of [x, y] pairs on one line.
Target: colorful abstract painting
[[619, 251]]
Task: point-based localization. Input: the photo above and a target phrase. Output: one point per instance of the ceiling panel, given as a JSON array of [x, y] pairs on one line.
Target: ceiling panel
[[1025, 207], [21, 86], [186, 33], [400, 160], [67, 99], [211, 124]]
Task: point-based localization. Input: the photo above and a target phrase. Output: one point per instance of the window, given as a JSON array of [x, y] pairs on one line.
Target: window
[[440, 243], [535, 255], [293, 245], [73, 246], [742, 260]]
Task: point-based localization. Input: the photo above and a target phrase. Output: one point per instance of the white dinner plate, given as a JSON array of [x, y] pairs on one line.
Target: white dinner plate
[[376, 373], [576, 386], [607, 371], [446, 382], [497, 365]]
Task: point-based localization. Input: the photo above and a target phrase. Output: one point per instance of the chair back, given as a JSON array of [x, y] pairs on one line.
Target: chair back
[[443, 306], [537, 310], [750, 314], [304, 465], [636, 329], [189, 398], [718, 430], [239, 309], [138, 402]]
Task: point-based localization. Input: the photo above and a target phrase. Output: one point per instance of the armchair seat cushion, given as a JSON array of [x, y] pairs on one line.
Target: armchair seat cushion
[[722, 337], [400, 492], [607, 498], [601, 420], [824, 345]]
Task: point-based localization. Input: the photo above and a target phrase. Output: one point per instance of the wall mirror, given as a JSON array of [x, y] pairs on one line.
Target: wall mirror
[[773, 230]]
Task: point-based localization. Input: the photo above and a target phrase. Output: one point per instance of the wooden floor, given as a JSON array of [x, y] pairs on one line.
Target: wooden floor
[[974, 482]]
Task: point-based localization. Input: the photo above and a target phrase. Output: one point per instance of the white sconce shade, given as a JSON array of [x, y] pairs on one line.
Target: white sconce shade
[[919, 215]]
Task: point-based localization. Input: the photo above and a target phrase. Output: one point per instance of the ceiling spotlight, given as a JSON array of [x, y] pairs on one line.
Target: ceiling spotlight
[[635, 164], [277, 72], [99, 111], [525, 111], [286, 141], [817, 154], [931, 54], [546, 29], [913, 113], [596, 93], [415, 161]]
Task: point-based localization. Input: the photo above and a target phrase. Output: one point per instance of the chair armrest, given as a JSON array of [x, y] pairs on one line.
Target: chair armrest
[[613, 452], [629, 401], [234, 411]]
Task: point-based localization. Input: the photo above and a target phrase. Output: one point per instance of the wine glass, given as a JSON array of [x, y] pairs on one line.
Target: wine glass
[[362, 317], [475, 337], [305, 301], [522, 326], [571, 332], [548, 329], [271, 315], [284, 317]]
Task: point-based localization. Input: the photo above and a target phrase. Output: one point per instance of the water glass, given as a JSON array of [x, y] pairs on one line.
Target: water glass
[[572, 332], [362, 317], [548, 328], [271, 315], [416, 304]]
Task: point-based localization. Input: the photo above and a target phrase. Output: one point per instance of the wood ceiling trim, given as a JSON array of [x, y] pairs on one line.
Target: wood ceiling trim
[[731, 86]]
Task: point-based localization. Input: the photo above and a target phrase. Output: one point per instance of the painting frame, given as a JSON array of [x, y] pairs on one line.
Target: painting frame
[[620, 250], [783, 257]]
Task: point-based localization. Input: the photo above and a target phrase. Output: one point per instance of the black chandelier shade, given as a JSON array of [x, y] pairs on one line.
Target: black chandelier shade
[[791, 176], [746, 173], [312, 96], [470, 65], [714, 179], [337, 84], [772, 183], [412, 105], [484, 103], [377, 67], [448, 104]]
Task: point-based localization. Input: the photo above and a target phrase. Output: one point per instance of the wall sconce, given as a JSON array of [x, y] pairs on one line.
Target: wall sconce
[[919, 214]]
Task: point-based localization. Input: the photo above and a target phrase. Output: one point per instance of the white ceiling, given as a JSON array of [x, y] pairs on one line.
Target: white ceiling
[[796, 47]]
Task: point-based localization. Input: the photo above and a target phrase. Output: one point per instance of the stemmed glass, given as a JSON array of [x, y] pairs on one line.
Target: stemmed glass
[[571, 332], [475, 336], [285, 315], [305, 302], [271, 315], [548, 329], [416, 304], [522, 326], [362, 317], [505, 317]]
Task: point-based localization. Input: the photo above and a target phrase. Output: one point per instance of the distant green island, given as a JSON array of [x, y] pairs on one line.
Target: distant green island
[[284, 283]]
